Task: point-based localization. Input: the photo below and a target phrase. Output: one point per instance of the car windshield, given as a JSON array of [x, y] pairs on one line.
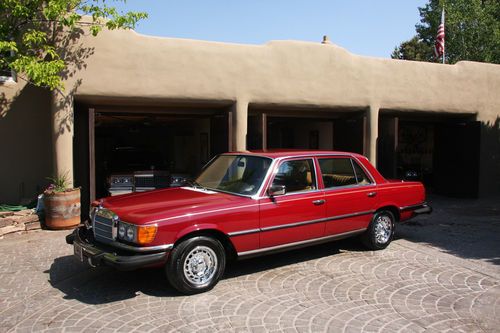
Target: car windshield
[[238, 174]]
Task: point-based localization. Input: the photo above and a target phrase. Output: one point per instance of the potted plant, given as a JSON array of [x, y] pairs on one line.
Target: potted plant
[[62, 204]]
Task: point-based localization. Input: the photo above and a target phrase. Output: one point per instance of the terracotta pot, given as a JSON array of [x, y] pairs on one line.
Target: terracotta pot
[[62, 209]]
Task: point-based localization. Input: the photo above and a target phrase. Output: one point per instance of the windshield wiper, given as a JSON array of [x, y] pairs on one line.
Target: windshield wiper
[[195, 184]]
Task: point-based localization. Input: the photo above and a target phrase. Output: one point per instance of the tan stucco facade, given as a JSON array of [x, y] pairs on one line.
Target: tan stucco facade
[[128, 68]]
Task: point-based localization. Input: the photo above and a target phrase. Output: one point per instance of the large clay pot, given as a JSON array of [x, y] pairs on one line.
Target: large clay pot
[[62, 209]]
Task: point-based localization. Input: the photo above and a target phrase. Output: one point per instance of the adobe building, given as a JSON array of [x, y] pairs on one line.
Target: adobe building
[[187, 100]]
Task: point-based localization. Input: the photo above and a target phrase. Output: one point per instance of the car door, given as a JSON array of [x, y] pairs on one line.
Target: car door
[[350, 194], [298, 214]]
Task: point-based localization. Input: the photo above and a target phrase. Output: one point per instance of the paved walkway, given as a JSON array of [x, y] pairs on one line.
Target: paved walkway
[[423, 282]]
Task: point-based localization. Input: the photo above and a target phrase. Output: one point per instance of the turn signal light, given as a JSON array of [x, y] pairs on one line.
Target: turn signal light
[[146, 234]]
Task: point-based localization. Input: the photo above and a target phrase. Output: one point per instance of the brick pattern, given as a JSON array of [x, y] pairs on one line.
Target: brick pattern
[[335, 287]]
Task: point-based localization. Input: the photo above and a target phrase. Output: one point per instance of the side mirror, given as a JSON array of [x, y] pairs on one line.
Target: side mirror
[[275, 190]]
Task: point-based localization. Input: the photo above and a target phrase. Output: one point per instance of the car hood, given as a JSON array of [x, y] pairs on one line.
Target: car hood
[[169, 204]]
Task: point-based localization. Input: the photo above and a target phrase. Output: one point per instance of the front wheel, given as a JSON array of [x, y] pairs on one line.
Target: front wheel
[[380, 232], [196, 265]]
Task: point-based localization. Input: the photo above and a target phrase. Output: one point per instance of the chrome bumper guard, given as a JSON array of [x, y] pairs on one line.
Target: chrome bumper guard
[[124, 258]]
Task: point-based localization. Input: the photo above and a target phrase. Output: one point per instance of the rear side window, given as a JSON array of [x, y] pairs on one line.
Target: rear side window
[[361, 177], [338, 172]]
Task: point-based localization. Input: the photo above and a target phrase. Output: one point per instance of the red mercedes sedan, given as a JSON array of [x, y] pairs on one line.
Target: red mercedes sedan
[[245, 204]]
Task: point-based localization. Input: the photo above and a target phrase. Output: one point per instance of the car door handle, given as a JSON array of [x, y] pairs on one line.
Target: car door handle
[[318, 202], [372, 194]]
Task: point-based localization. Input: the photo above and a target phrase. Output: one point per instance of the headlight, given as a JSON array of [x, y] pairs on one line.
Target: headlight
[[140, 234], [121, 231], [130, 233]]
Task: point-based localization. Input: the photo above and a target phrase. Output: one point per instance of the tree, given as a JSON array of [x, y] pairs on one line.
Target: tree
[[34, 34], [413, 49], [472, 29]]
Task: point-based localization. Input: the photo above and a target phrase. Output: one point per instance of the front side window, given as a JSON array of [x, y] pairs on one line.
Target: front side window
[[296, 175], [239, 174], [338, 172]]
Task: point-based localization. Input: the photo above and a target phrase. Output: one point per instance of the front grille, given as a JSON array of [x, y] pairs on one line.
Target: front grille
[[103, 226]]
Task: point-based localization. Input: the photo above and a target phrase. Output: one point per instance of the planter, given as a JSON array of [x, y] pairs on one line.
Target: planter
[[62, 209]]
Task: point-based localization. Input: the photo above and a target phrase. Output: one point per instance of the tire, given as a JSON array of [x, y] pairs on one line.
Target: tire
[[380, 232], [190, 277]]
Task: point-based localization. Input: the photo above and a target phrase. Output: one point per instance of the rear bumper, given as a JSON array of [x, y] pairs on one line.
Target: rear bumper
[[423, 208], [96, 254]]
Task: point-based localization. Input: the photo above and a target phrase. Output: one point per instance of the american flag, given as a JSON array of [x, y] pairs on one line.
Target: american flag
[[439, 45]]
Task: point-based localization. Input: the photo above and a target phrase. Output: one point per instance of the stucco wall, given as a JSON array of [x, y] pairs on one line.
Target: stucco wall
[[25, 145], [127, 64], [128, 67]]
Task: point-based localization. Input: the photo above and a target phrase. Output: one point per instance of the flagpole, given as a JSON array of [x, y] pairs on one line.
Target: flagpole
[[444, 40]]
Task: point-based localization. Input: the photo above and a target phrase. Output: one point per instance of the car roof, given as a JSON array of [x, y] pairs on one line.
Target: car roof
[[280, 153]]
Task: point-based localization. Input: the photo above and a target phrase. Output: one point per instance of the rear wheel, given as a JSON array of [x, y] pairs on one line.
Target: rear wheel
[[380, 232], [196, 265]]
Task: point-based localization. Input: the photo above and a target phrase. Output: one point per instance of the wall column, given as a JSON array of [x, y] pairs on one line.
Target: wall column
[[62, 134], [240, 120], [373, 114]]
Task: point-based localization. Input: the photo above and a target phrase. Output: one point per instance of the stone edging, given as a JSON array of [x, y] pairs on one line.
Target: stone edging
[[24, 220]]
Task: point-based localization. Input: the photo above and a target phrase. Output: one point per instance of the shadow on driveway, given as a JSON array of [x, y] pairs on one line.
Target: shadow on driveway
[[103, 285], [466, 228]]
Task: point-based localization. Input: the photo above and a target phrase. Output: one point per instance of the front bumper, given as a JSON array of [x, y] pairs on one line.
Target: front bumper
[[96, 254]]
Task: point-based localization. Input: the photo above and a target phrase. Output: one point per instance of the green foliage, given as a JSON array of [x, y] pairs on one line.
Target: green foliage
[[472, 31], [59, 183], [414, 49], [30, 34]]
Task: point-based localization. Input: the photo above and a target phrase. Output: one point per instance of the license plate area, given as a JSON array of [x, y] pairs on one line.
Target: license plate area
[[78, 251]]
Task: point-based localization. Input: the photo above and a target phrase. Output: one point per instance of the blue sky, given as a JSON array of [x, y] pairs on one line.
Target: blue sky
[[365, 27]]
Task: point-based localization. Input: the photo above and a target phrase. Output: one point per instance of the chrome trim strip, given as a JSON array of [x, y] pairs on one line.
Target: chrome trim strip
[[298, 224], [291, 225], [122, 246], [304, 242], [243, 232], [366, 187], [326, 219]]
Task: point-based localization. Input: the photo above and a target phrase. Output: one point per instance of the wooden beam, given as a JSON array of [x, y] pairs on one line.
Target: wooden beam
[[91, 127], [264, 130]]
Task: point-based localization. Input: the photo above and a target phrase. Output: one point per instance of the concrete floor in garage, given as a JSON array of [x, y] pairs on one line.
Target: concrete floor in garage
[[441, 273]]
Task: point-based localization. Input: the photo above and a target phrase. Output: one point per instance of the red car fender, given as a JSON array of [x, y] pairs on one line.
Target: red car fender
[[197, 227]]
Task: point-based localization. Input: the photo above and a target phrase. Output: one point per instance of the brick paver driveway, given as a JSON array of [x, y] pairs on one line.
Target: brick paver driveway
[[440, 274]]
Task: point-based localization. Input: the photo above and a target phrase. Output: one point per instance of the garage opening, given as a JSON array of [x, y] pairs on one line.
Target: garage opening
[[441, 151], [306, 130], [122, 150]]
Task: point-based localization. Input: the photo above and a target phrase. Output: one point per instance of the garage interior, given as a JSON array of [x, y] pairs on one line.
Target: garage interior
[[171, 141], [440, 150], [306, 129]]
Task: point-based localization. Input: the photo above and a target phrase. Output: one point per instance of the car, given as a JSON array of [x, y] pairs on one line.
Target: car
[[245, 204], [135, 169]]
